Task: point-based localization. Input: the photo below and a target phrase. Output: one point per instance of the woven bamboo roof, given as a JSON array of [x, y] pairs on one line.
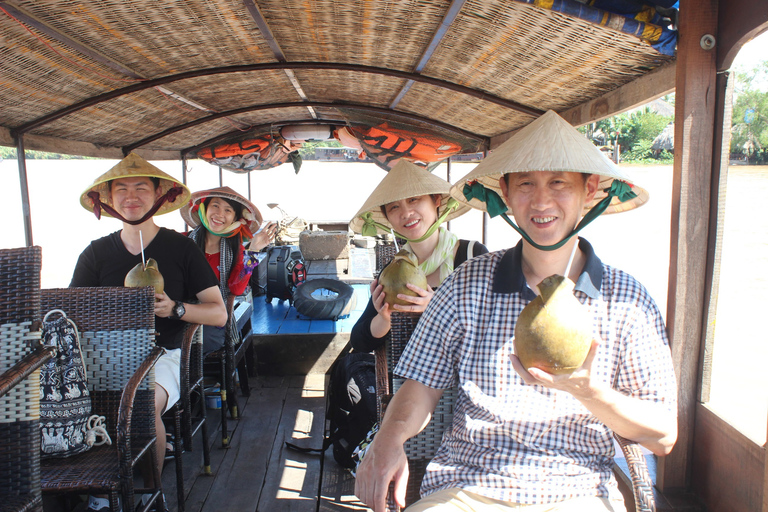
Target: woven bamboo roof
[[181, 74]]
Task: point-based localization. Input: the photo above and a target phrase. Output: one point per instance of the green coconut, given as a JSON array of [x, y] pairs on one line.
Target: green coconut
[[554, 331], [145, 275], [402, 270]]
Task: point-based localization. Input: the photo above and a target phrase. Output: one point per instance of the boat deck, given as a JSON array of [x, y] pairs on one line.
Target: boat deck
[[293, 355], [257, 472]]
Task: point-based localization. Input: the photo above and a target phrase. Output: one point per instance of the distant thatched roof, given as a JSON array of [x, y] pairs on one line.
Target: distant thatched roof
[[666, 139]]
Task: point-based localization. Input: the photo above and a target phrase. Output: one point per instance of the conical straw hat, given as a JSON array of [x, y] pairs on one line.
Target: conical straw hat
[[404, 180], [250, 213], [133, 166], [549, 143]]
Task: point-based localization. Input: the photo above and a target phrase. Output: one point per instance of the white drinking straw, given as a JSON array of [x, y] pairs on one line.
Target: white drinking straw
[[570, 260], [397, 249], [141, 241]]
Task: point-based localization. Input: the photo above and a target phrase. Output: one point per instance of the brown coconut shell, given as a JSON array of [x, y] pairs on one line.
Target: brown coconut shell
[[554, 331], [148, 275], [395, 276]]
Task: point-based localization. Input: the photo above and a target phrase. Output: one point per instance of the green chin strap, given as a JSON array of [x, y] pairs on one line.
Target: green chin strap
[[370, 225], [496, 206]]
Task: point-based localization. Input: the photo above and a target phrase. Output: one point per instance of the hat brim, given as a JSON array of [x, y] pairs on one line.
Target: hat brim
[[193, 219], [404, 180], [549, 143], [130, 167]]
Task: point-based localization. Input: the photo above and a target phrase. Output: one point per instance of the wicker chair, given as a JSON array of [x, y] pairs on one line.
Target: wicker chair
[[192, 399], [222, 364], [384, 251], [117, 327], [21, 356], [421, 448]]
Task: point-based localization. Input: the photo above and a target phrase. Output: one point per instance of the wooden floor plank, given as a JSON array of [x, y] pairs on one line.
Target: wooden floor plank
[[293, 478], [258, 473], [338, 488]]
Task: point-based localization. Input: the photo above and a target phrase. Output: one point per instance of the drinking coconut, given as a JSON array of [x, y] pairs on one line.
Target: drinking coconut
[[554, 331], [402, 270], [145, 275]]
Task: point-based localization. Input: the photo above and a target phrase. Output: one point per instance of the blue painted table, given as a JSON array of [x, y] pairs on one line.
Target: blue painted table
[[279, 317]]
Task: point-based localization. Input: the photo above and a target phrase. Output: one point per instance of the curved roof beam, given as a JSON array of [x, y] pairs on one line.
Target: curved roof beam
[[318, 104], [475, 93]]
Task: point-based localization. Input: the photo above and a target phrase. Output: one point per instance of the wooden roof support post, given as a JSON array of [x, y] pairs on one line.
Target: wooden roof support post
[[695, 101]]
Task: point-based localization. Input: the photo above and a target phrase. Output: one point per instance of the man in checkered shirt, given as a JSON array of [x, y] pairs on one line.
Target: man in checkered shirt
[[522, 439]]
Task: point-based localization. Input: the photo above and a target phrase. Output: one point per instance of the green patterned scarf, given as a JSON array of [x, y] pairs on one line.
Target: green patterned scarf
[[442, 257]]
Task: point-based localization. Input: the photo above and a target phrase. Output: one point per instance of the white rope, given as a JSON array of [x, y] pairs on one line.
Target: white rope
[[97, 435]]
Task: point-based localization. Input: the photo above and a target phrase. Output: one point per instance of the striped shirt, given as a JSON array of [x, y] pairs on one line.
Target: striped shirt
[[530, 444]]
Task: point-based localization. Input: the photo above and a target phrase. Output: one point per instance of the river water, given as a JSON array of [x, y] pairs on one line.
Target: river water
[[636, 241]]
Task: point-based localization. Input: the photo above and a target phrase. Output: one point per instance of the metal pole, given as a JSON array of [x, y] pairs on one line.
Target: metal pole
[[221, 178], [485, 214], [249, 186], [448, 179], [184, 180], [24, 186]]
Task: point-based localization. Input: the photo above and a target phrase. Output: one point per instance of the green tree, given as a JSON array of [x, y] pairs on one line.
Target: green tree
[[749, 131]]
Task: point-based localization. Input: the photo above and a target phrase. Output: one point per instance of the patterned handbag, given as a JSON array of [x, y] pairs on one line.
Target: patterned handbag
[[66, 425]]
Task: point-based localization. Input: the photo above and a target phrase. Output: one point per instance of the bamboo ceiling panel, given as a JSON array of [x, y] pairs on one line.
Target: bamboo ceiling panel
[[123, 120], [229, 91], [385, 33], [501, 48], [62, 53], [154, 38], [349, 86], [461, 111], [36, 80]]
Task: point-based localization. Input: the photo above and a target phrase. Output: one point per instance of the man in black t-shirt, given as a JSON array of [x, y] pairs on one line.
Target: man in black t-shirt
[[134, 191]]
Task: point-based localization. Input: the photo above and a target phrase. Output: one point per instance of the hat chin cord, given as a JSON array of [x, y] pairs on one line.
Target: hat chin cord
[[370, 225], [169, 196], [496, 206], [237, 227]]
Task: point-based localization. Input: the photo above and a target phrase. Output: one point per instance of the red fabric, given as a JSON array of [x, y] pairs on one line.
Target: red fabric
[[235, 286]]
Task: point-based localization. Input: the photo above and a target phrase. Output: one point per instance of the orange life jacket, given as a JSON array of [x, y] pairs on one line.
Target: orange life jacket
[[255, 154], [385, 144], [236, 148]]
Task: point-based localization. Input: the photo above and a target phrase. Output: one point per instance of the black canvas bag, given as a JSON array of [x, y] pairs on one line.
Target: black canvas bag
[[351, 406], [66, 425]]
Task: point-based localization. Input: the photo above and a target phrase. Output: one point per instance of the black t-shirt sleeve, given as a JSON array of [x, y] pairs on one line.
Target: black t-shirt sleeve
[[86, 273]]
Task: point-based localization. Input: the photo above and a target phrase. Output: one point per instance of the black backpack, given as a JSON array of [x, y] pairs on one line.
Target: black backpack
[[351, 406]]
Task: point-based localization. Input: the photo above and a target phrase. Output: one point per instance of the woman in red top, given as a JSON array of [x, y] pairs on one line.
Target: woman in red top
[[223, 221]]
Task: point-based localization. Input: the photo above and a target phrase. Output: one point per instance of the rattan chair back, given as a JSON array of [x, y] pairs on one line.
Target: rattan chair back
[[384, 251], [117, 330], [20, 360], [421, 448]]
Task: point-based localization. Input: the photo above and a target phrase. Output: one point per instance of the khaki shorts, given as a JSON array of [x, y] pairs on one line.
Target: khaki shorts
[[456, 500], [168, 375]]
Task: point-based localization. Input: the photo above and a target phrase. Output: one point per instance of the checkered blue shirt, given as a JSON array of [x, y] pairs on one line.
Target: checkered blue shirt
[[530, 444]]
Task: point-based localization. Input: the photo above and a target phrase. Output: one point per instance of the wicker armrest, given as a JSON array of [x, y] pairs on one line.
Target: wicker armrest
[[642, 485], [125, 410], [184, 367], [24, 368]]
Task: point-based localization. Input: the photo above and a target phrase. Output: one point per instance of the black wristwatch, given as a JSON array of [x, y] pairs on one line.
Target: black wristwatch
[[178, 311]]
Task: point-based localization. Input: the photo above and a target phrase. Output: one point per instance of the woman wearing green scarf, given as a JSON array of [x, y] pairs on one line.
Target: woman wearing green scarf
[[410, 203]]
